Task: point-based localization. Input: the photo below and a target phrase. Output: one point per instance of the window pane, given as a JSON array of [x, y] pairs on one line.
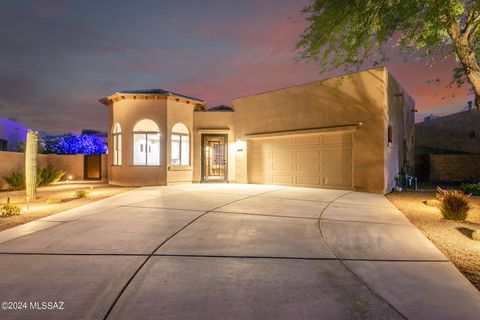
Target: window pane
[[185, 161], [115, 147], [175, 149], [119, 150], [153, 144], [139, 147]]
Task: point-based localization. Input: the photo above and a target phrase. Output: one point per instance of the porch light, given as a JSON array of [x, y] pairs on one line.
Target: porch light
[[240, 145]]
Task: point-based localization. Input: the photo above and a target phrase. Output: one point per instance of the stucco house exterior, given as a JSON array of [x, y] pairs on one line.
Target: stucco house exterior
[[448, 148], [354, 132]]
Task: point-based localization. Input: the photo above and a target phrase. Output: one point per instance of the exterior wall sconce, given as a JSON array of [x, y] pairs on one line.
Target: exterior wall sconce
[[240, 145]]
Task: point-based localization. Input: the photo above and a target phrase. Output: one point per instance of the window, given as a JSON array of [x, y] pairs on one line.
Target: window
[[117, 145], [146, 143], [390, 134], [180, 145], [472, 134]]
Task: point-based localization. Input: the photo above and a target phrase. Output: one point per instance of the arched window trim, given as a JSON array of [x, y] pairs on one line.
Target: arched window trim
[[147, 137], [178, 141], [117, 144]]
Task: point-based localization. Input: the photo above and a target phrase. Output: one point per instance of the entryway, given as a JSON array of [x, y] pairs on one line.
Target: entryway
[[214, 157], [92, 167]]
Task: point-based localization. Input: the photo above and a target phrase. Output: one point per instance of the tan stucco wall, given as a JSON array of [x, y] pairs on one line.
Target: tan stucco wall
[[399, 113], [128, 112], [214, 120], [179, 112], [454, 168], [451, 132], [357, 98], [15, 161]]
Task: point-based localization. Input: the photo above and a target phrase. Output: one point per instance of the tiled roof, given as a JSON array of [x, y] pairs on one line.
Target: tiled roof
[[159, 91]]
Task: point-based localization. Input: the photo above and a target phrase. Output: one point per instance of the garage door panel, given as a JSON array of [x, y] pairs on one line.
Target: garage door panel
[[309, 180], [279, 155], [309, 154], [337, 182], [337, 169], [320, 160], [302, 141], [335, 154], [312, 165], [337, 139]]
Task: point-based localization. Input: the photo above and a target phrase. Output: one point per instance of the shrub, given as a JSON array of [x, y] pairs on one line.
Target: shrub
[[476, 235], [471, 188], [454, 204], [50, 174], [16, 181], [9, 210], [81, 194], [54, 200]]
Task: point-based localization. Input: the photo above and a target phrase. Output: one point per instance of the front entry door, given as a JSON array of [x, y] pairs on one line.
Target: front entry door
[[214, 157]]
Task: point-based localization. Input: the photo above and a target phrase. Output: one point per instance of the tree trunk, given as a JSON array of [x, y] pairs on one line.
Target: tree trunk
[[468, 59]]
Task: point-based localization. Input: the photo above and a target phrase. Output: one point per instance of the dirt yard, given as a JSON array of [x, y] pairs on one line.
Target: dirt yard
[[64, 192], [453, 238]]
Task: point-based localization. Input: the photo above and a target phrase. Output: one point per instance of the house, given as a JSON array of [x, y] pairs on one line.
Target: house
[[448, 147], [457, 133], [12, 134], [353, 132]]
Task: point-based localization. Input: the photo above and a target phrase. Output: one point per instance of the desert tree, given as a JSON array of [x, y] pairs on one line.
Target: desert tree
[[351, 33]]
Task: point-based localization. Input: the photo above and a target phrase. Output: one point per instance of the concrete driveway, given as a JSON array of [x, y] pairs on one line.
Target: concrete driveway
[[230, 251]]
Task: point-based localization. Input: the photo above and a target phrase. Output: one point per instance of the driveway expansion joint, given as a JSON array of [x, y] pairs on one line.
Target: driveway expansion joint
[[124, 288], [347, 267]]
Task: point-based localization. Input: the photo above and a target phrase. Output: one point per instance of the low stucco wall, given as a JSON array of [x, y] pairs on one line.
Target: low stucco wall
[[454, 168], [72, 164]]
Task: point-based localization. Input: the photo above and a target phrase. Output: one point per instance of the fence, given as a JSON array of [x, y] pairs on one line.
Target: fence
[[72, 164]]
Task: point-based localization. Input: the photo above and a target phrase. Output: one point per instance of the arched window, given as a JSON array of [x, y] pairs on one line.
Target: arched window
[[146, 143], [117, 145], [180, 145]]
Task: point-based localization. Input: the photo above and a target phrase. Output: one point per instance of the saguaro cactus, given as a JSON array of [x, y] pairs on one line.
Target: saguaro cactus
[[31, 151]]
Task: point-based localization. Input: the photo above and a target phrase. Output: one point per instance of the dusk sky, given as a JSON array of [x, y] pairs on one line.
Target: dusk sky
[[57, 58]]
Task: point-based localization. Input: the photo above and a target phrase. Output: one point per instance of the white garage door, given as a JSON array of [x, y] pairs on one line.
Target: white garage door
[[320, 160]]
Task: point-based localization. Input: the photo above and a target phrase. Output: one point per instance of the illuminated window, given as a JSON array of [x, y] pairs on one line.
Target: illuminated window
[[117, 145], [146, 143], [180, 145]]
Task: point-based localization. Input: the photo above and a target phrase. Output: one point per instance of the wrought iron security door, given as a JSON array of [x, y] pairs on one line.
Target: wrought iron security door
[[214, 157]]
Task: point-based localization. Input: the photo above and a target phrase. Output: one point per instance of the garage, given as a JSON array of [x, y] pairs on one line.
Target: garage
[[320, 160]]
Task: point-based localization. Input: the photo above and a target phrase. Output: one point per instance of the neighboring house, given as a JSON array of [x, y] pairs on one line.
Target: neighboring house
[[354, 132], [12, 134], [448, 147], [458, 132]]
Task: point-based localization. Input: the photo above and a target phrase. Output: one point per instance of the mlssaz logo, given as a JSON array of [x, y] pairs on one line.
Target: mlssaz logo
[[44, 305]]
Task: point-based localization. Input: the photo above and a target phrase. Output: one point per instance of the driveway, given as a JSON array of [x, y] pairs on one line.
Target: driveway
[[230, 251]]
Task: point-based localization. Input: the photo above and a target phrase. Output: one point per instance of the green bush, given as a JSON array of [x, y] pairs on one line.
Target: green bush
[[81, 194], [16, 181], [54, 200], [9, 210], [50, 174], [454, 204], [471, 188]]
